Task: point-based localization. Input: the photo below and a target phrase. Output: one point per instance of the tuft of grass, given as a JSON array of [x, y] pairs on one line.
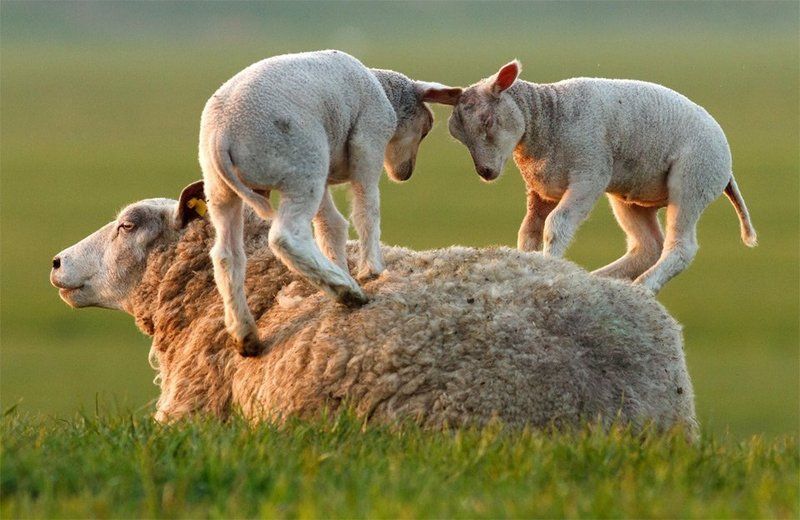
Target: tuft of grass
[[126, 465]]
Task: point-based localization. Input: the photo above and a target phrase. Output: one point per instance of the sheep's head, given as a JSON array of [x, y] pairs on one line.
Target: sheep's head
[[487, 120], [103, 269]]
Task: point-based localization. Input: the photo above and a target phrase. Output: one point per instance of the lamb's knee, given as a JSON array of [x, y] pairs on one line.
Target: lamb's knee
[[221, 256], [227, 257], [683, 250], [281, 241]]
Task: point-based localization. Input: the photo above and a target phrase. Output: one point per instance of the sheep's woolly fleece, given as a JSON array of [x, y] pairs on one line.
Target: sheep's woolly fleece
[[450, 337]]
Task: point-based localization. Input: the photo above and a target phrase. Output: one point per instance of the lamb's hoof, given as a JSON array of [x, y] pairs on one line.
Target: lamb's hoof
[[353, 299], [251, 346]]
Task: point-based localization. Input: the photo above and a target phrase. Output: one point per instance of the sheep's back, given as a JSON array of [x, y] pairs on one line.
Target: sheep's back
[[459, 335]]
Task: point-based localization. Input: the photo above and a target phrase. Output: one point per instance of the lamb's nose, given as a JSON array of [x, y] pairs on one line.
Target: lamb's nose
[[56, 262], [486, 172]]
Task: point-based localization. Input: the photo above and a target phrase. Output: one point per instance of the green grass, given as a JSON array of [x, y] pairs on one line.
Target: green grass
[[100, 106], [127, 466]]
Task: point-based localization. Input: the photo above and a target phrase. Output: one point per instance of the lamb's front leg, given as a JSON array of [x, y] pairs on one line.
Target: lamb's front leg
[[366, 218], [531, 231], [573, 208], [366, 161]]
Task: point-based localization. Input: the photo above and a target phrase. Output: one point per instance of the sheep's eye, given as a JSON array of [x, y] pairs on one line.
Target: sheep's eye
[[126, 225]]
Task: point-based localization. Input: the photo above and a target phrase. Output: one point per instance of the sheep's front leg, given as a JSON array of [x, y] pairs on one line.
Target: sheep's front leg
[[229, 261], [330, 231], [573, 208], [531, 231], [365, 162], [291, 240]]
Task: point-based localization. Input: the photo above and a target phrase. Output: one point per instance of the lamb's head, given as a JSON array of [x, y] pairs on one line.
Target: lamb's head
[[103, 269], [414, 120], [487, 120]]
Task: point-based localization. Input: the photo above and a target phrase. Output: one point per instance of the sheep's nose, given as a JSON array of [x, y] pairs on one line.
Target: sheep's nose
[[56, 262]]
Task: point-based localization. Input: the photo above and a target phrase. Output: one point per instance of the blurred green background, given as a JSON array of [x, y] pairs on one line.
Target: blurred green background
[[100, 105]]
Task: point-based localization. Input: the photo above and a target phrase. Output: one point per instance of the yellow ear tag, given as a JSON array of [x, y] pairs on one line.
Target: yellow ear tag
[[199, 205]]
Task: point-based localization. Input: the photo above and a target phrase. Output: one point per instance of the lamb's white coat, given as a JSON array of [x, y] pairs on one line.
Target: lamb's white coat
[[296, 123], [644, 145]]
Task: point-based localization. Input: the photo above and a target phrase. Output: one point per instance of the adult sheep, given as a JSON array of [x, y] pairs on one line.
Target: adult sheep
[[452, 336]]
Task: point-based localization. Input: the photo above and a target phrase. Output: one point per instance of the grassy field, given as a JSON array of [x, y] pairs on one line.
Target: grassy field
[[127, 466], [100, 105]]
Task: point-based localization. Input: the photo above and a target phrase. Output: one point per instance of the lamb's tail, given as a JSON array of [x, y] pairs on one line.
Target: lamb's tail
[[220, 156], [748, 232]]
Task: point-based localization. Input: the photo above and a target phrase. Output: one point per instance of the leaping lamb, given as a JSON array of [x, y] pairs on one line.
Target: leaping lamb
[[642, 144], [296, 123]]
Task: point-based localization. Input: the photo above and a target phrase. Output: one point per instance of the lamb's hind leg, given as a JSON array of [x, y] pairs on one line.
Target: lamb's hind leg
[[291, 240], [692, 186], [228, 257], [330, 231], [644, 237]]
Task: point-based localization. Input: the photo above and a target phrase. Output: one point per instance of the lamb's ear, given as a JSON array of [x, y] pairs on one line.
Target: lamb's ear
[[505, 77], [192, 204], [438, 93]]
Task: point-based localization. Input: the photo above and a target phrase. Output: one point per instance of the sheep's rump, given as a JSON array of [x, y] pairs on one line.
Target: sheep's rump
[[452, 337]]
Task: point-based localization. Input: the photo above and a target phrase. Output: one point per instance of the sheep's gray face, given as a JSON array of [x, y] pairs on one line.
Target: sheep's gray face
[[488, 122], [103, 269], [401, 152]]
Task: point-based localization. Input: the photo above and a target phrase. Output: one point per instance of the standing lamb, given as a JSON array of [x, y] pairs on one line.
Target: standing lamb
[[297, 123], [644, 145], [450, 337]]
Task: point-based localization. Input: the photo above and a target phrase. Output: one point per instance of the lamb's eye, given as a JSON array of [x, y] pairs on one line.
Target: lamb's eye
[[126, 225]]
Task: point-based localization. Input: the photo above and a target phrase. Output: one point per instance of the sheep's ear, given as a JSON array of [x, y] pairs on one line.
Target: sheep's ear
[[192, 204], [438, 93], [505, 77]]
